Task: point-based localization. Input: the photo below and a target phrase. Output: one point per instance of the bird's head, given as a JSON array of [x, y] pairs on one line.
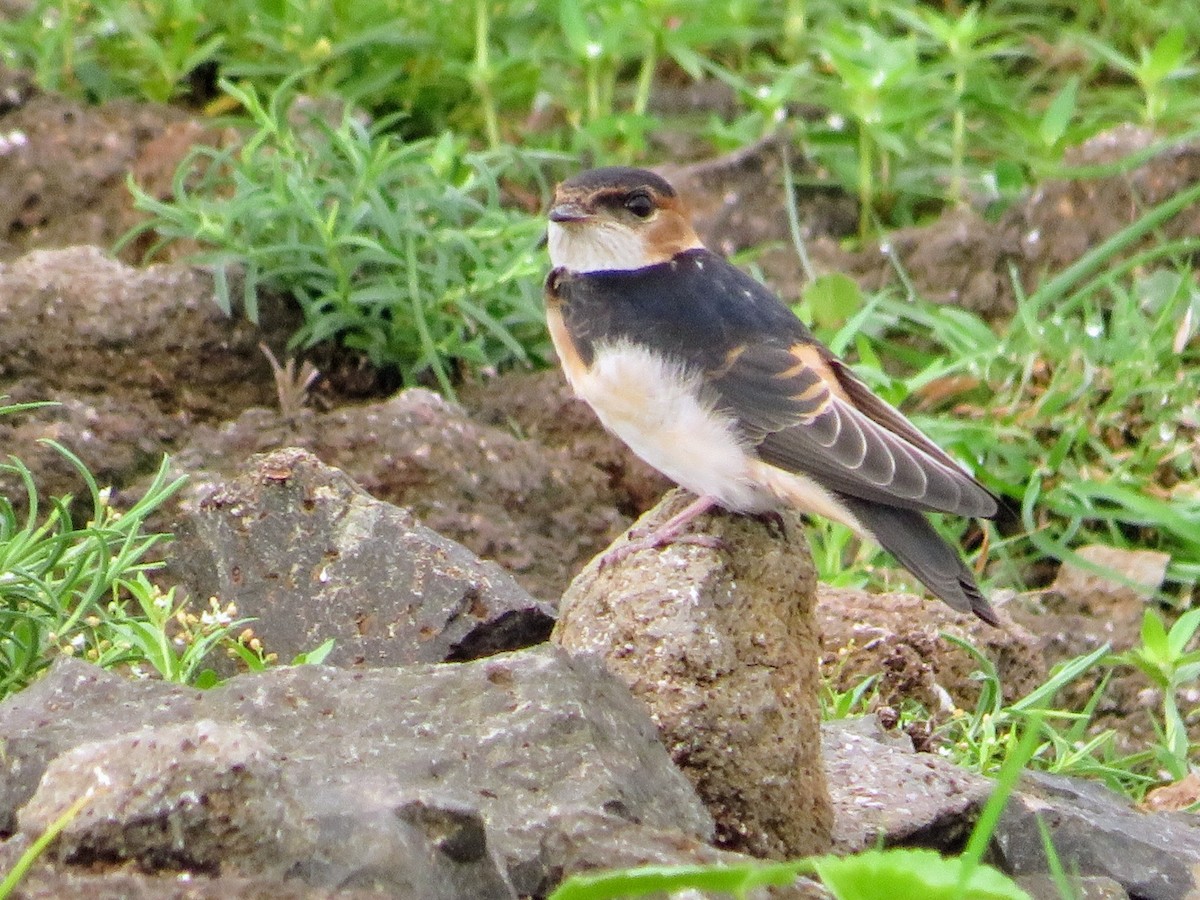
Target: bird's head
[[617, 219]]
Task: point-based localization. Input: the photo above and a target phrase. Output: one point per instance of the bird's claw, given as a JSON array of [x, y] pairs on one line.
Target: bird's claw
[[654, 541]]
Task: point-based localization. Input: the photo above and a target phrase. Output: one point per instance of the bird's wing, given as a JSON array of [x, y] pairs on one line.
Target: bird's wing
[[806, 412]]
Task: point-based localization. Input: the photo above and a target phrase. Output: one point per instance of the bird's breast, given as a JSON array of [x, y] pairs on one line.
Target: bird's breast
[[665, 416]]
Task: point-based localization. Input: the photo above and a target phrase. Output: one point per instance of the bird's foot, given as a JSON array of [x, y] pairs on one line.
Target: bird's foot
[[670, 532], [655, 540]]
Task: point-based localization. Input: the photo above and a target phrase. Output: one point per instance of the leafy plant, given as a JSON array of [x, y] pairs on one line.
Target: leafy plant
[[1152, 68], [68, 589], [967, 43], [162, 633], [1164, 658], [399, 250], [55, 574], [879, 92]]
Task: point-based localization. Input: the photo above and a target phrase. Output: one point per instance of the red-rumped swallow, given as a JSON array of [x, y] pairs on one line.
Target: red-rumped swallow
[[712, 380]]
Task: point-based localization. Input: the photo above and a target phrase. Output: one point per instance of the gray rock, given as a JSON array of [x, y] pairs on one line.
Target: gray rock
[[64, 882], [1043, 887], [396, 769], [198, 796], [299, 547], [883, 791], [583, 844], [137, 356], [721, 646], [1154, 856], [541, 510]]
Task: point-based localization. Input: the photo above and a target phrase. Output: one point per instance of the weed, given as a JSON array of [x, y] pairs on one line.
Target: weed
[[25, 861], [1164, 658], [981, 739], [55, 575], [398, 250]]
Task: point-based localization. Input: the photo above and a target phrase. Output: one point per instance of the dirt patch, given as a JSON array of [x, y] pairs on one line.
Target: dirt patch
[[966, 260], [64, 165], [898, 637], [135, 357]]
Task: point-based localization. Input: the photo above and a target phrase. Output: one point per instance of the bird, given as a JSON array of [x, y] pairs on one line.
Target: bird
[[712, 380]]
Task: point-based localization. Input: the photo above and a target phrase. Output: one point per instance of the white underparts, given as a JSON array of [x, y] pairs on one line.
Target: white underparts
[[596, 246], [659, 410]]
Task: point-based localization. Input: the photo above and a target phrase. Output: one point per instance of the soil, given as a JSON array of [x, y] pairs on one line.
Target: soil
[[194, 384]]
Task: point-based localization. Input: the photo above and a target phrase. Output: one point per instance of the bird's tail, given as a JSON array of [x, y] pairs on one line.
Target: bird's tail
[[909, 537]]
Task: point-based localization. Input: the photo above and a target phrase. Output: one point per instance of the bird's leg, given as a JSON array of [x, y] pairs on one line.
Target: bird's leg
[[669, 532], [774, 520]]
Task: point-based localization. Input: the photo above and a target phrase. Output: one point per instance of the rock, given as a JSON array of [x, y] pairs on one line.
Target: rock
[[135, 356], [541, 512], [396, 770], [1043, 887], [430, 845], [77, 320], [63, 882], [1175, 797], [720, 645], [63, 182], [1119, 595], [584, 845], [883, 792], [897, 637], [198, 796], [1097, 833], [310, 556]]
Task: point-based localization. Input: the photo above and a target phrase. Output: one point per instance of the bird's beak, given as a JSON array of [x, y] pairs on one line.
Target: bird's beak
[[568, 212]]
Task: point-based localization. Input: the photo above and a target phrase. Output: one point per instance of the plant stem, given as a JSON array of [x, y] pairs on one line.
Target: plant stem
[[959, 140], [645, 79], [866, 188], [482, 75]]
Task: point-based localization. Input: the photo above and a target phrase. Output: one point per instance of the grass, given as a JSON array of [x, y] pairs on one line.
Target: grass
[[1070, 742], [914, 106], [82, 588], [57, 573]]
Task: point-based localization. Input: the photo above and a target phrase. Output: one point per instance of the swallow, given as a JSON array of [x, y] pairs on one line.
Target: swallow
[[711, 379]]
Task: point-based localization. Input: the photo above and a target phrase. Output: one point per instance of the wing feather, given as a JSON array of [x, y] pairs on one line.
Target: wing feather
[[864, 449]]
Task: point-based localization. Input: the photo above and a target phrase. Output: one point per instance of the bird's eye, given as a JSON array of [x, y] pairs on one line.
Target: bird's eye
[[639, 204]]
